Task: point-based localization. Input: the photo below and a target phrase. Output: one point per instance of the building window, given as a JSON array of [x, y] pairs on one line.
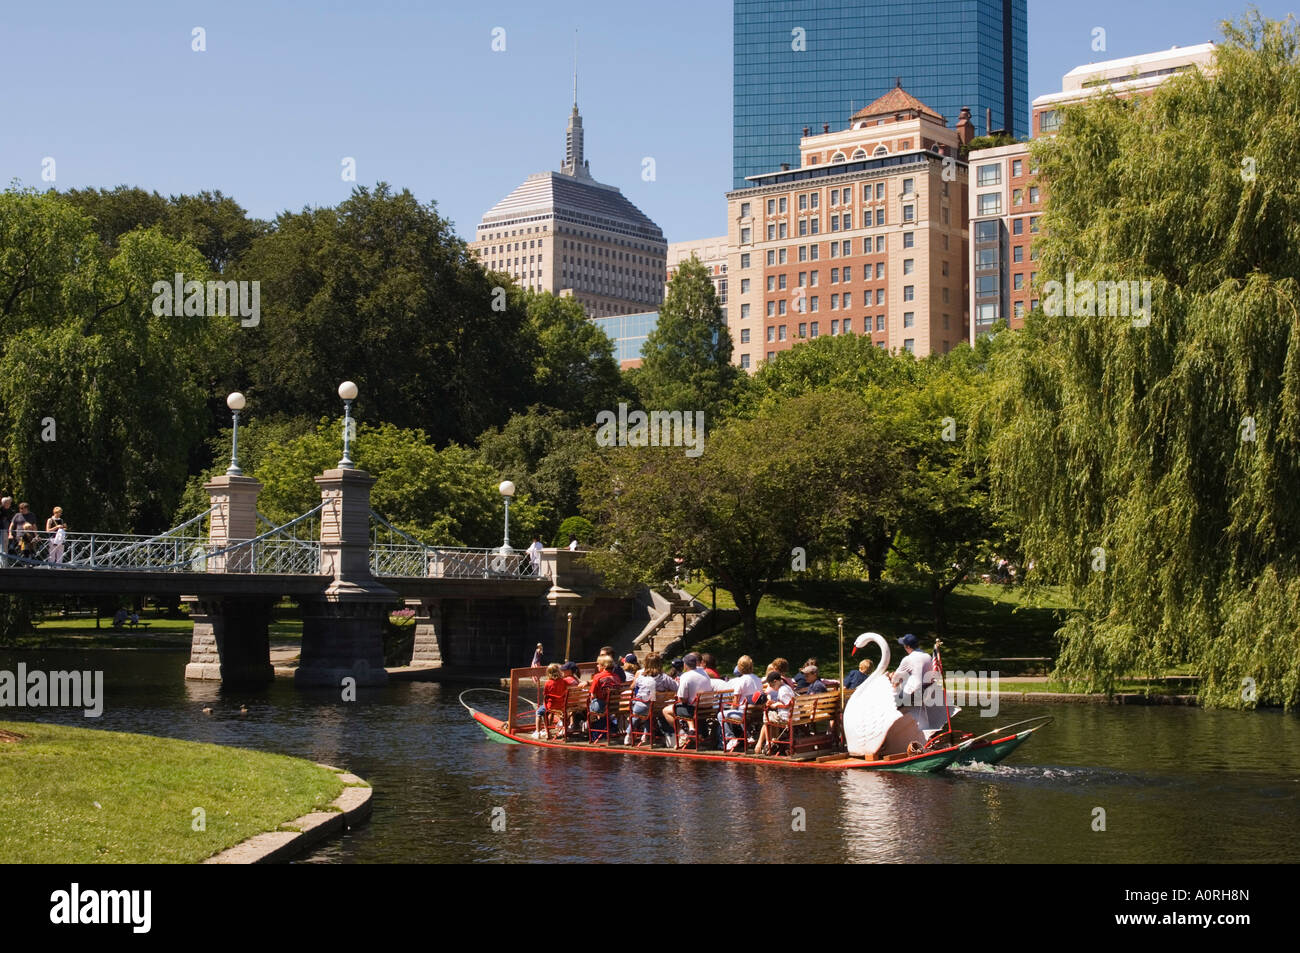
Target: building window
[[909, 292], [835, 275], [781, 333], [803, 227], [803, 202], [880, 322], [771, 282], [986, 231], [803, 330], [835, 197], [986, 285], [835, 302], [815, 253], [909, 186], [744, 311], [990, 174], [803, 252], [780, 307], [771, 355], [780, 257], [813, 304], [780, 282], [744, 286], [880, 243], [816, 225], [813, 330], [781, 208], [771, 309], [744, 335], [880, 270], [909, 345], [1018, 281], [835, 247], [909, 213], [1017, 253], [771, 333], [990, 203], [744, 210], [848, 300], [1019, 310], [880, 296], [848, 275], [1017, 168], [744, 236], [813, 280], [780, 230], [771, 257], [1049, 120], [771, 206], [1033, 195], [1018, 227], [1017, 196], [835, 223], [1033, 224], [880, 216], [909, 265], [744, 360], [771, 233], [835, 327], [909, 319]]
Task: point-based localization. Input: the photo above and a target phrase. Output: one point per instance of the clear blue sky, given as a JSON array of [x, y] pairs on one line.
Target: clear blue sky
[[414, 92]]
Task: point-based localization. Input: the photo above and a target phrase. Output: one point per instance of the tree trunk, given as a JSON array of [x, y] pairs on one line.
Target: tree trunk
[[937, 596]]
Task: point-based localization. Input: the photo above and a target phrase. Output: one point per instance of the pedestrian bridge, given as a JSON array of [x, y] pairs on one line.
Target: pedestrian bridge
[[348, 568]]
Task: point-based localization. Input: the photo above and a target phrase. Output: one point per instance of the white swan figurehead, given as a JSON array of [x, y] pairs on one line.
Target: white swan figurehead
[[871, 711]]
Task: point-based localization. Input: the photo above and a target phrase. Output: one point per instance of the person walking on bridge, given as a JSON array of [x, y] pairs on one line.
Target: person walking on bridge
[[6, 517]]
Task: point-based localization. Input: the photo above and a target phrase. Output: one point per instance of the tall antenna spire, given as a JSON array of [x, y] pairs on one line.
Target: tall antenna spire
[[575, 67]]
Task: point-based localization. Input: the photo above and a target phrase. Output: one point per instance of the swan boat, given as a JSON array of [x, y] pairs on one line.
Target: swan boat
[[871, 733]]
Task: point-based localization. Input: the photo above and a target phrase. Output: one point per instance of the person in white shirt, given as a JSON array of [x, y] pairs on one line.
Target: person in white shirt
[[912, 678], [689, 686], [535, 555], [780, 699], [743, 687], [573, 543]]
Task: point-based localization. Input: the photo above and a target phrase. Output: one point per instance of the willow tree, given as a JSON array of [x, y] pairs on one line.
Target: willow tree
[[1154, 463]]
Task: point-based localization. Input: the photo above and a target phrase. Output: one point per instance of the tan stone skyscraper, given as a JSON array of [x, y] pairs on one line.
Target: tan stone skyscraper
[[566, 233]]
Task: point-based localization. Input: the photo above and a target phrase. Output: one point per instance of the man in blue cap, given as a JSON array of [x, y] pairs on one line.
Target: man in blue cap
[[914, 674]]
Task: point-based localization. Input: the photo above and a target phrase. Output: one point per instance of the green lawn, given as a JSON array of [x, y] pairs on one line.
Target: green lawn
[[55, 631], [76, 795]]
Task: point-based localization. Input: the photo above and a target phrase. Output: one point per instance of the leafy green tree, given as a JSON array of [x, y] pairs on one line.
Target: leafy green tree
[[761, 488], [578, 526], [103, 401], [1153, 465], [541, 454], [574, 369], [380, 291], [445, 497], [686, 359]]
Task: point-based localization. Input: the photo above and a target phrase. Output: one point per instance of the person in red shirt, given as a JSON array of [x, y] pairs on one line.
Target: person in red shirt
[[602, 683], [710, 665], [554, 695]]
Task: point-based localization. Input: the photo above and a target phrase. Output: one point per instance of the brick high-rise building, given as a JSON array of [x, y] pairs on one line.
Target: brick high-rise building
[[568, 234], [1006, 199], [866, 236]]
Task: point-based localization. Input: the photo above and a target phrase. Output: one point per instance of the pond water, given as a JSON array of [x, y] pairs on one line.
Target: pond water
[[1177, 784]]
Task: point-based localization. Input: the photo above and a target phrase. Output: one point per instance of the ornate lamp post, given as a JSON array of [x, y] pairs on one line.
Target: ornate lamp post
[[236, 403], [348, 391], [507, 491]]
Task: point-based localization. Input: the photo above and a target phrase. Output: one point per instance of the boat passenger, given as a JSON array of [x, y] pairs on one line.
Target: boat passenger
[[813, 684], [912, 678], [643, 697], [782, 666], [693, 681], [710, 665], [859, 675], [554, 695], [664, 682], [630, 667], [602, 684], [675, 670], [743, 686], [780, 699], [572, 679], [618, 669]]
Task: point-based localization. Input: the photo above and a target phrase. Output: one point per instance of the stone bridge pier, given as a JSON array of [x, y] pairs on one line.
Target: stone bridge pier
[[343, 627], [231, 641]]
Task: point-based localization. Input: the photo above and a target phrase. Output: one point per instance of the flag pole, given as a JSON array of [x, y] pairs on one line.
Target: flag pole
[[568, 638], [943, 680], [840, 622]]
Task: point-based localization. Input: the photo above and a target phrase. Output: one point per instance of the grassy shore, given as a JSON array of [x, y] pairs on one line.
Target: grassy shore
[[76, 795], [55, 631], [796, 620]]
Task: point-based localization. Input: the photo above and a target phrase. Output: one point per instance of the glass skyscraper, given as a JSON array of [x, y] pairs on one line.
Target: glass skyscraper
[[808, 62]]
